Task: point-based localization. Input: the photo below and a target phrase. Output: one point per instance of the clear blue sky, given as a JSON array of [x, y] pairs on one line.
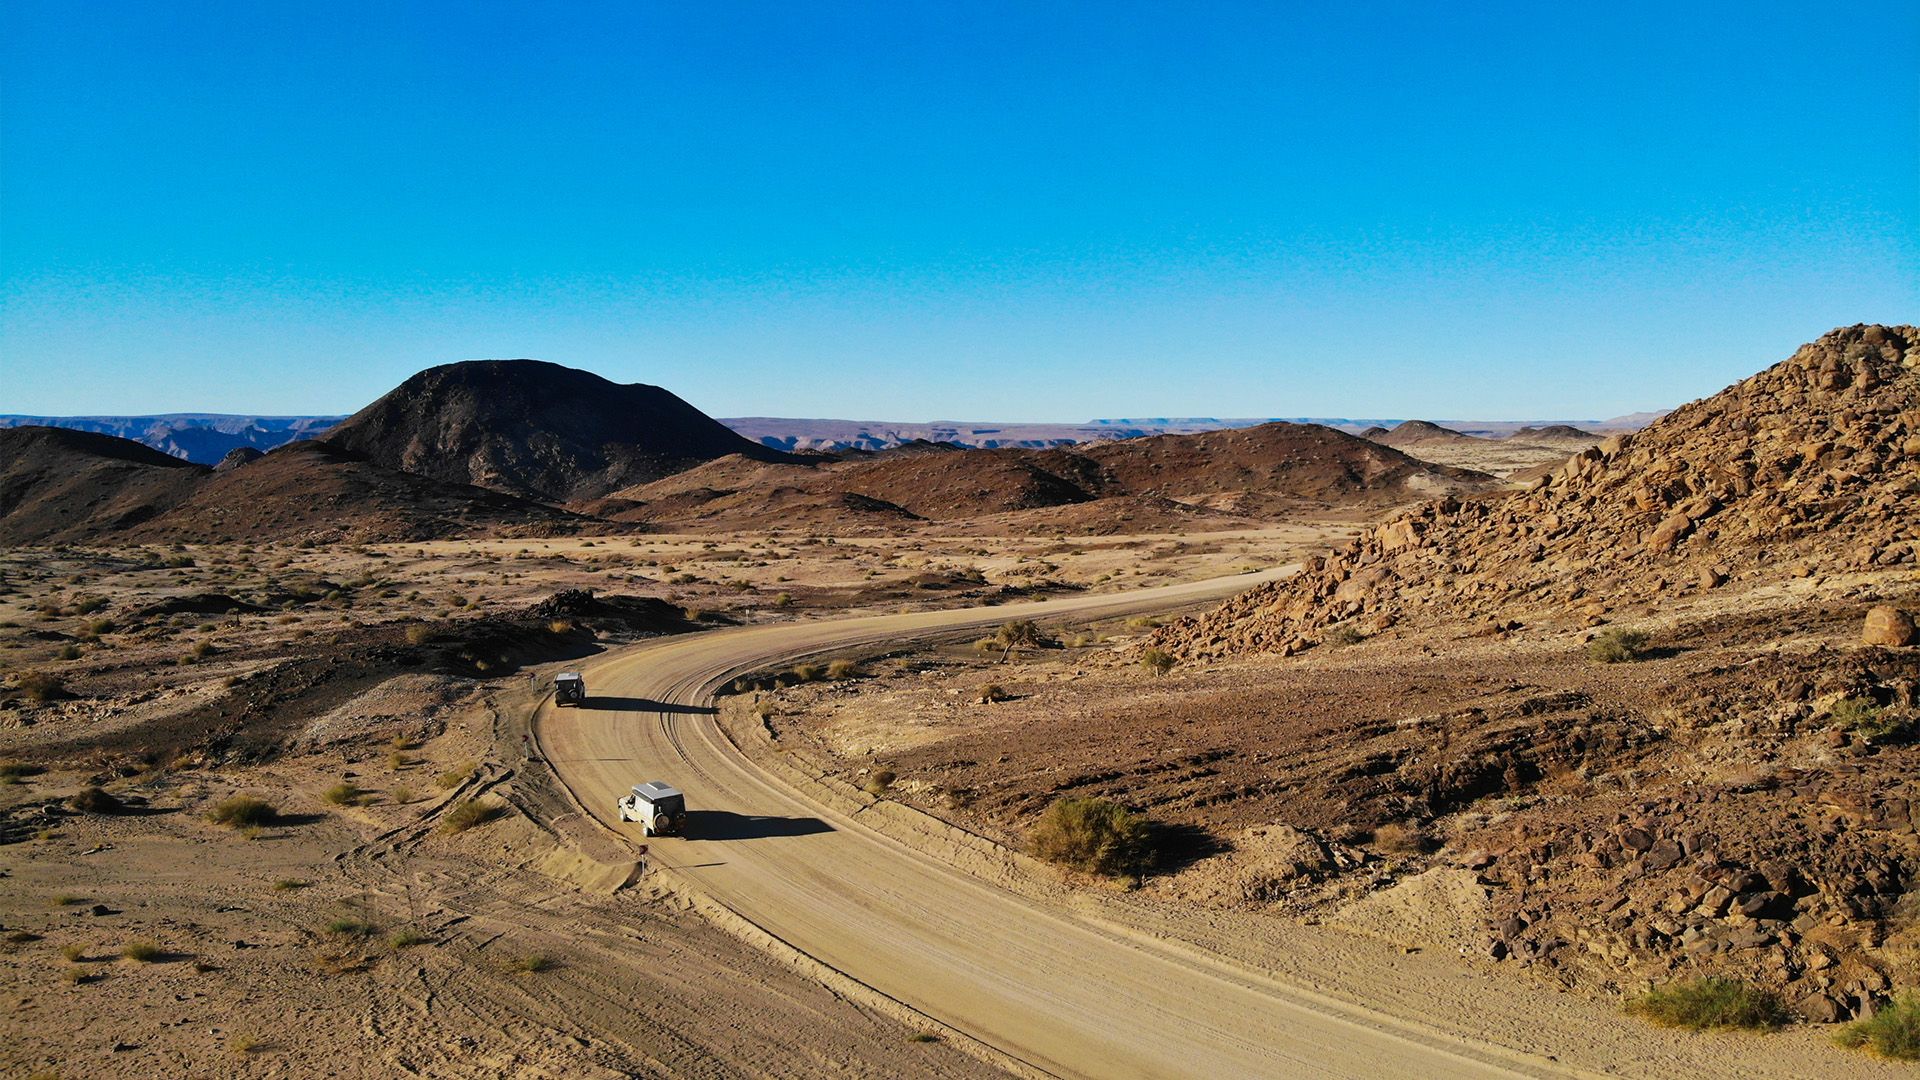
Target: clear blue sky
[[919, 210]]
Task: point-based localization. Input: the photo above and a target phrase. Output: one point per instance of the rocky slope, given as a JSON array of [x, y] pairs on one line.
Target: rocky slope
[[1810, 466], [1740, 802], [59, 485], [537, 430]]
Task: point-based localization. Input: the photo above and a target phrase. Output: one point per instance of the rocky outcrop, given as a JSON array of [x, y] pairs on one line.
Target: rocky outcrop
[[1810, 466]]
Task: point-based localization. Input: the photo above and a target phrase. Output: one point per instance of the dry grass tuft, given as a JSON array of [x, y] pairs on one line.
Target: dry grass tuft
[[243, 810], [1703, 1004], [467, 815]]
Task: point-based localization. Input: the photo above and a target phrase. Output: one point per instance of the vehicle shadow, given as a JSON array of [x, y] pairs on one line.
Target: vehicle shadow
[[640, 704], [727, 825]]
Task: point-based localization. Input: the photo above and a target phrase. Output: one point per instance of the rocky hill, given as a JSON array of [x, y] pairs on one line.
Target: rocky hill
[[537, 430], [1416, 432], [203, 438], [1809, 466], [316, 490], [59, 485], [1218, 478]]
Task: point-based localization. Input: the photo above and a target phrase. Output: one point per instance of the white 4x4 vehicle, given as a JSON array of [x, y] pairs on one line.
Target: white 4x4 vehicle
[[661, 810]]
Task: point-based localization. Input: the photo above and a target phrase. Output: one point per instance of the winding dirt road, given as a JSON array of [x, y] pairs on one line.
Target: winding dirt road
[[1053, 993]]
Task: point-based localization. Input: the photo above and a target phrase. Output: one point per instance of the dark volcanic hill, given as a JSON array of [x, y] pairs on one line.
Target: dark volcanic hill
[[538, 430], [58, 484], [1811, 466]]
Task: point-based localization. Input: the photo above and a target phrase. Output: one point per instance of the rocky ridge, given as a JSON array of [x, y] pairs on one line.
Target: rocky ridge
[[1809, 467]]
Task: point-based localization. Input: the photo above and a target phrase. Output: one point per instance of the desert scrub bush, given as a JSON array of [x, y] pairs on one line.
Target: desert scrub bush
[[41, 687], [342, 794], [407, 939], [1869, 720], [348, 927], [419, 633], [1402, 838], [67, 652], [399, 760], [455, 776], [843, 669], [1142, 622], [469, 814], [529, 964], [878, 781], [242, 810], [246, 1044], [1158, 661], [74, 953], [401, 795], [1893, 1032], [290, 884], [785, 599], [141, 952], [1703, 1004], [14, 771], [93, 800], [1346, 635], [1093, 835], [559, 626], [202, 649], [993, 693], [807, 673], [1617, 646]]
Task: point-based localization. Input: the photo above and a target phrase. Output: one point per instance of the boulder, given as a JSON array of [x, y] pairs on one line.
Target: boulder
[[1889, 626]]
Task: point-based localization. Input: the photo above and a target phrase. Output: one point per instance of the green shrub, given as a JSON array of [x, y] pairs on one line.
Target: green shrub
[[241, 810], [142, 952], [1093, 835], [1893, 1032], [1869, 720], [878, 782], [349, 927], [843, 669], [469, 814], [992, 693], [528, 964], [67, 652], [1702, 1004], [1617, 646], [406, 939], [15, 770], [1158, 661], [342, 794]]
